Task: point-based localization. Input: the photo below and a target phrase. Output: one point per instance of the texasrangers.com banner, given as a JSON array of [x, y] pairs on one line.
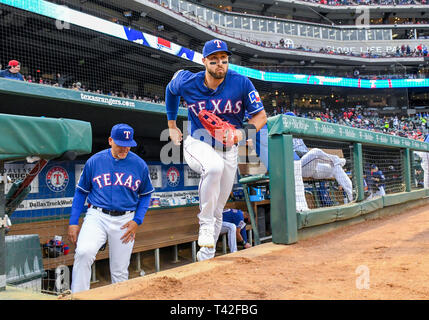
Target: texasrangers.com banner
[[109, 101]]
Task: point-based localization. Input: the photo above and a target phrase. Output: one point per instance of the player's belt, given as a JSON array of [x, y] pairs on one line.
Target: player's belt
[[224, 147], [113, 213]]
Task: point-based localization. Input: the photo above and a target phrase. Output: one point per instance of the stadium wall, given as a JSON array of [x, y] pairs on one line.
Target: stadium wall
[[288, 225]]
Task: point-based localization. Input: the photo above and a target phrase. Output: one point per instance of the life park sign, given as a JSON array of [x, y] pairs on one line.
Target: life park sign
[[388, 49]]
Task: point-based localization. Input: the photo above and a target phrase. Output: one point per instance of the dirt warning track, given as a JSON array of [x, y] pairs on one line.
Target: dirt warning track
[[386, 258]]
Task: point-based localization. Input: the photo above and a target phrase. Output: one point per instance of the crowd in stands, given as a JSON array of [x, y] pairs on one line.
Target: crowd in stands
[[412, 126], [368, 2], [62, 81], [58, 81], [402, 51]]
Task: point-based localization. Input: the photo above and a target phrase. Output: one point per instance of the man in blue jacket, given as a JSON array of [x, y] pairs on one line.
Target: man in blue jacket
[[12, 71]]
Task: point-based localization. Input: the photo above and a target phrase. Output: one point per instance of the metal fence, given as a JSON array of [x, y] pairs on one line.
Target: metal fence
[[346, 172]]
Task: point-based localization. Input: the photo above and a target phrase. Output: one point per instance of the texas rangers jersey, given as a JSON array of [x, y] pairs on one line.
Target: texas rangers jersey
[[115, 184], [235, 95], [234, 216]]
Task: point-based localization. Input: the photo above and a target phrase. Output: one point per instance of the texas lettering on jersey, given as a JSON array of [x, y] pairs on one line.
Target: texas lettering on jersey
[[217, 106], [105, 179], [235, 95]]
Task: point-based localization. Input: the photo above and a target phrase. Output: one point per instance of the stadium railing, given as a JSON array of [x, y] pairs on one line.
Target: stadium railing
[[385, 170]]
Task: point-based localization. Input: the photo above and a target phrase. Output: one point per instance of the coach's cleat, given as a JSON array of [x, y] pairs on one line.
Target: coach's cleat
[[205, 238]]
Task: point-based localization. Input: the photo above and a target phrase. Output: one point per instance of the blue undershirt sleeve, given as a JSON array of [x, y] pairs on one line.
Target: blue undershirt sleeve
[[172, 104], [243, 234], [142, 207], [77, 206]]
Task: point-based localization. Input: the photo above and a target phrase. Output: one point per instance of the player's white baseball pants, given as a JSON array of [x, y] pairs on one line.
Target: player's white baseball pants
[[231, 230], [319, 165], [98, 228], [301, 202], [425, 167], [380, 192], [218, 170]]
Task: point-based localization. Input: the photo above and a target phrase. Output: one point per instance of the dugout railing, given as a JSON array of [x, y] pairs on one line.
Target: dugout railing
[[385, 170]]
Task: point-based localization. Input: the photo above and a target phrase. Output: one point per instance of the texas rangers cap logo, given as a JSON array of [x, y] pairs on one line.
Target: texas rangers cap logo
[[218, 43], [123, 135], [57, 179], [213, 46]]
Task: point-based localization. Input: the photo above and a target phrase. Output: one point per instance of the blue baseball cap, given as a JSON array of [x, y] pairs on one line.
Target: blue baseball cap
[[213, 46], [290, 114], [123, 135]]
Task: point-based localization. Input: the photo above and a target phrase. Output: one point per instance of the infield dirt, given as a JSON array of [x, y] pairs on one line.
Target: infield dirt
[[386, 258]]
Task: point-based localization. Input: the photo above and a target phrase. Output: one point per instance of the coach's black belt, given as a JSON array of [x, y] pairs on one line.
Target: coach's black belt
[[113, 213]]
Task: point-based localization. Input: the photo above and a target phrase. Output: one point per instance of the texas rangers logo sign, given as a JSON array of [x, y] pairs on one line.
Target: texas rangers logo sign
[[173, 177], [57, 179]]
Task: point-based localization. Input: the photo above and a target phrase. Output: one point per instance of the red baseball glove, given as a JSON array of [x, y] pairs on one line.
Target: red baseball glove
[[219, 129]]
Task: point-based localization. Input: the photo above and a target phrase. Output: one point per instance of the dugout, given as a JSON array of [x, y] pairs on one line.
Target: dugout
[[176, 187]]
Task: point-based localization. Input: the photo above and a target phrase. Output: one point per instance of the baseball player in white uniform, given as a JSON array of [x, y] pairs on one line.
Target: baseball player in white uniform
[[227, 94], [118, 188], [425, 164], [317, 164]]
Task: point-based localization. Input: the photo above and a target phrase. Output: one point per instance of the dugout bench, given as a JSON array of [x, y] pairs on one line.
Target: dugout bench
[[162, 227]]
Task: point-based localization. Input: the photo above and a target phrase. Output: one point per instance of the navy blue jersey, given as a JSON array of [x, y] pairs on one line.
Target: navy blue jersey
[[234, 216], [115, 184], [376, 179], [9, 75], [235, 95]]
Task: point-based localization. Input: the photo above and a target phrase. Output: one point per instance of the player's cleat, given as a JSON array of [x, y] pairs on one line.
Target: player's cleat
[[199, 258], [205, 238], [205, 253]]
